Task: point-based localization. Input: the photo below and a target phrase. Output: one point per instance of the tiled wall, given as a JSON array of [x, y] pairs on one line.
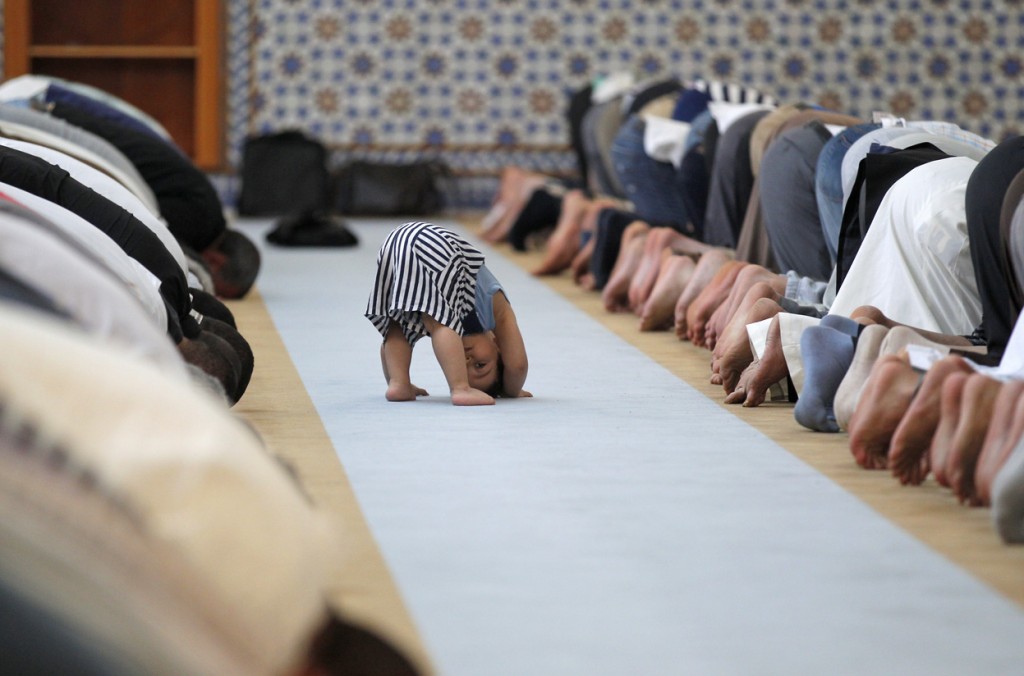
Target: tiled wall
[[486, 81]]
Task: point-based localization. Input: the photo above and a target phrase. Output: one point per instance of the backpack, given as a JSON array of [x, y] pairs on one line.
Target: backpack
[[283, 173], [366, 188]]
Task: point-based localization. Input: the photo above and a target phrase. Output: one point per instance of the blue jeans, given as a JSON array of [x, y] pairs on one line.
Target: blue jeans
[[654, 187], [828, 183]]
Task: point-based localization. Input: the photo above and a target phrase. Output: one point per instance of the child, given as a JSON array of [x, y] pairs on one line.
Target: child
[[432, 282]]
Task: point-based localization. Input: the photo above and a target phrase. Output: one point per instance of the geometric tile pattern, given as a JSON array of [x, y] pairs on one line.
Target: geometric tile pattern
[[486, 82], [495, 74]]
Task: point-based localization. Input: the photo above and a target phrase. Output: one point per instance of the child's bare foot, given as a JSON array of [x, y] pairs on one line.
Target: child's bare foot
[[658, 311], [886, 397], [470, 396], [908, 451], [404, 392]]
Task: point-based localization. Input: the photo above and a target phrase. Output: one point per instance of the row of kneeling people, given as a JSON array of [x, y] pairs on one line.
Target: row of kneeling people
[[868, 270], [146, 528]]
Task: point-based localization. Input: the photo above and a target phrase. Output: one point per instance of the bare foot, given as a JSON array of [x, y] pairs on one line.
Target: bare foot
[[616, 291], [564, 243], [1004, 431], [735, 346], [771, 368], [581, 265], [864, 357], [658, 244], [908, 451], [707, 267], [736, 328], [976, 406], [949, 419], [711, 330], [513, 192], [470, 396], [886, 397], [739, 391], [749, 277], [658, 312], [404, 392], [713, 295]]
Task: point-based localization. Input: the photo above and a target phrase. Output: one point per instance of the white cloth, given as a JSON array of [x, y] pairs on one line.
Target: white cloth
[[665, 139], [791, 327], [953, 141], [915, 263], [611, 86], [139, 281], [134, 183], [197, 477], [77, 283], [107, 187], [727, 112]]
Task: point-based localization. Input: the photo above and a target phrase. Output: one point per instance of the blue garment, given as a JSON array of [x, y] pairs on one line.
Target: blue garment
[[660, 193], [486, 286], [58, 94], [828, 183]]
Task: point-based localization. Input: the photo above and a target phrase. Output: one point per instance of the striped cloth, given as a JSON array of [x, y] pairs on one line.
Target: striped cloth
[[422, 269]]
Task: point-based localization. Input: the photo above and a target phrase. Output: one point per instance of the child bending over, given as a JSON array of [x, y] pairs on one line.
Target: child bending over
[[431, 282]]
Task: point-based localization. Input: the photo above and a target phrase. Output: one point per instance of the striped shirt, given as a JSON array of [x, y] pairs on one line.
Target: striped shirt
[[423, 269]]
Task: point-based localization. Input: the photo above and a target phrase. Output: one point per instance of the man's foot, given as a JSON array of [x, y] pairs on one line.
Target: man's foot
[[864, 357], [707, 267], [976, 406], [949, 419], [736, 355], [564, 243], [713, 295], [581, 266], [771, 368], [1004, 432], [615, 294], [770, 285], [658, 312], [886, 397], [656, 247], [908, 451], [513, 192]]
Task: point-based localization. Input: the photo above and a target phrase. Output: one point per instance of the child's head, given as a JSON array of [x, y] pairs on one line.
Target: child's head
[[483, 362]]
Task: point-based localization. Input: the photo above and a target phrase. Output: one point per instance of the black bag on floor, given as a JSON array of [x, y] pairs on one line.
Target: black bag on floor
[[314, 229], [363, 188], [283, 173]]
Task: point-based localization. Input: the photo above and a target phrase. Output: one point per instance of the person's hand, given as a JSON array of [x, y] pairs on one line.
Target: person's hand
[[524, 393]]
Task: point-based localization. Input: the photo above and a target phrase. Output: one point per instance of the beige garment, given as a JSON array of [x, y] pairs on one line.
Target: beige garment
[[198, 479]]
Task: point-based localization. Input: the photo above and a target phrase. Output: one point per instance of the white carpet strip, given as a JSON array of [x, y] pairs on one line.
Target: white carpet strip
[[619, 522]]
